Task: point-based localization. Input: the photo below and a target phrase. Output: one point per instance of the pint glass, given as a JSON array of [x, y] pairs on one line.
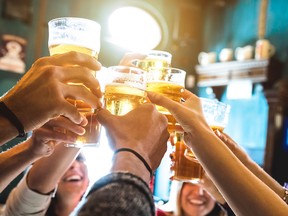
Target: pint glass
[[125, 89], [81, 35]]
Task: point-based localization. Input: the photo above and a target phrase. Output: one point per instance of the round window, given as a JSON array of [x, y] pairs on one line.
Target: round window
[[134, 28]]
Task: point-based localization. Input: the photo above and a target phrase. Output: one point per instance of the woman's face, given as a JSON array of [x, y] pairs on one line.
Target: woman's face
[[75, 181], [195, 201]]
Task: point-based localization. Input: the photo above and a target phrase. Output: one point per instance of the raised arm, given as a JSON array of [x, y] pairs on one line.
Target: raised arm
[[41, 144], [33, 194], [14, 161], [250, 164], [125, 191], [243, 191], [46, 172]]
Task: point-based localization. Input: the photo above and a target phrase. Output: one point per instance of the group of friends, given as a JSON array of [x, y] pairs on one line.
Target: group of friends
[[37, 104]]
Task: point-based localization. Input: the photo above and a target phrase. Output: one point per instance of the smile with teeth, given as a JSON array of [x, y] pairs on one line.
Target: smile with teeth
[[196, 201], [73, 178]]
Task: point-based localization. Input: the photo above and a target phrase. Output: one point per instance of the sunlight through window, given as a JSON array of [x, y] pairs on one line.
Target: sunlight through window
[[134, 29], [98, 158]]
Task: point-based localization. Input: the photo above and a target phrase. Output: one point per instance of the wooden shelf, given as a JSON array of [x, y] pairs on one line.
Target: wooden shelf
[[220, 74]]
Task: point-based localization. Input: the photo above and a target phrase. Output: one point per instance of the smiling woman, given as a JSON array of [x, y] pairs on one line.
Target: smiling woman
[[188, 199], [54, 185]]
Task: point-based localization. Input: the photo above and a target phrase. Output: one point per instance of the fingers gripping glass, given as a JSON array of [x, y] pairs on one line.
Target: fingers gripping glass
[[81, 35]]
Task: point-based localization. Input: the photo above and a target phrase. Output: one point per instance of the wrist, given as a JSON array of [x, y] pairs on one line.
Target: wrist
[[28, 148], [22, 152], [196, 137], [6, 112], [129, 162]]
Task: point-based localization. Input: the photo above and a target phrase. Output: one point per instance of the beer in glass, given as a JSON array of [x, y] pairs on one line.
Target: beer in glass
[[170, 83], [216, 114], [182, 168], [81, 35], [155, 59], [125, 89]]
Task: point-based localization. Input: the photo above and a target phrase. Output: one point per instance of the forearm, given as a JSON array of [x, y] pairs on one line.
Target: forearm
[[128, 162], [14, 161], [216, 158], [46, 172], [263, 176], [250, 164]]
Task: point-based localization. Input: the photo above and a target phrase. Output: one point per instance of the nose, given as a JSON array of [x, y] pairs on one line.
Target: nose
[[200, 191]]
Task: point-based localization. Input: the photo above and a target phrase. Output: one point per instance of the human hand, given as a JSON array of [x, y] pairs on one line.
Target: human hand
[[41, 93], [143, 129], [130, 57], [188, 114], [44, 139]]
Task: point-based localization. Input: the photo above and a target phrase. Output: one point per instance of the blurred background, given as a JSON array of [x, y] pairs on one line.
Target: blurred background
[[256, 90]]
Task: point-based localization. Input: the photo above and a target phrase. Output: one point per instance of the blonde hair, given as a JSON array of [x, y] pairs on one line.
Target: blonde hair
[[173, 206]]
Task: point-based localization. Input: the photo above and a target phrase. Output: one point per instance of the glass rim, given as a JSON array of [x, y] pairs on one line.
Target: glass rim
[[139, 70], [227, 106], [74, 18], [168, 68], [208, 99], [158, 52]]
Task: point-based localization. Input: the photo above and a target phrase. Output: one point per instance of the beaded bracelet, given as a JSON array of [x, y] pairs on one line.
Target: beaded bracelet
[[285, 197], [138, 156], [8, 114]]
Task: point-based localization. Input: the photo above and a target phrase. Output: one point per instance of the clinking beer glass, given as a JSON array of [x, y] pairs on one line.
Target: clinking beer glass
[[216, 114], [182, 168], [155, 59], [185, 166], [125, 89], [169, 82], [81, 35]]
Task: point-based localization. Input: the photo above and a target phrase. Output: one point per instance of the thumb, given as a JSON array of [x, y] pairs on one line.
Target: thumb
[[161, 100], [104, 116]]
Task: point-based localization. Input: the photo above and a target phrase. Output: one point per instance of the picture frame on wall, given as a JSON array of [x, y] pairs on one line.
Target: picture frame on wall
[[12, 53], [18, 10]]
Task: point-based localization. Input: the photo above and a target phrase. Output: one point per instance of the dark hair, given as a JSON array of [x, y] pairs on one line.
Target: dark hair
[[51, 209], [215, 211]]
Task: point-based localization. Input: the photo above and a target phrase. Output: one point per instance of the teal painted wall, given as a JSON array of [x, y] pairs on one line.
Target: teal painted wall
[[236, 24], [248, 122]]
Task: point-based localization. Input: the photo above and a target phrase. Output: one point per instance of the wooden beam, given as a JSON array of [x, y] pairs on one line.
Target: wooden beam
[[262, 22], [40, 29]]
